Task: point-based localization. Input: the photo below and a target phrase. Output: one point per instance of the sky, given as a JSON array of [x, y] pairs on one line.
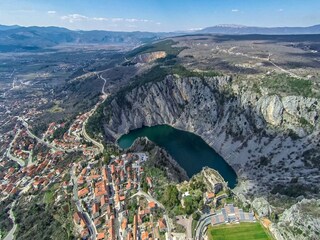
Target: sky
[[158, 15]]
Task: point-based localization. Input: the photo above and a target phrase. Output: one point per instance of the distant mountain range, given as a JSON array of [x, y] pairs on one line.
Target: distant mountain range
[[4, 27], [240, 29], [17, 38]]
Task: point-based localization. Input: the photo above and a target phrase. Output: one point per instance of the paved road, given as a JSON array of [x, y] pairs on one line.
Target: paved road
[[202, 224], [9, 155], [10, 235], [150, 199], [105, 81], [84, 131], [25, 124], [87, 137]]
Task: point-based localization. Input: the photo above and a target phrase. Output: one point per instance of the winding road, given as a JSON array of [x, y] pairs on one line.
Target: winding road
[[84, 131], [150, 199], [9, 155], [202, 224]]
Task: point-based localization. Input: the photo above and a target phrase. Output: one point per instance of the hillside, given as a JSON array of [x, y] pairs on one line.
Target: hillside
[[35, 38], [268, 133]]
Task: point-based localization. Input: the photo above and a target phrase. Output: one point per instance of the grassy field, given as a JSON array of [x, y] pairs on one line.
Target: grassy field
[[242, 231]]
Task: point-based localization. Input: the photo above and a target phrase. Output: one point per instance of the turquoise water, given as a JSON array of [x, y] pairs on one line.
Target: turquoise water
[[189, 150]]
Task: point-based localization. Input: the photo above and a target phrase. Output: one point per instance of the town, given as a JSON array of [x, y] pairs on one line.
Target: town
[[107, 192]]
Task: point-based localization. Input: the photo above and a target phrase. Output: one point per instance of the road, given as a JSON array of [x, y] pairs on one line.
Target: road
[[25, 124], [84, 132], [87, 218], [87, 137], [10, 235], [105, 82], [19, 161], [150, 199], [230, 51], [202, 224]]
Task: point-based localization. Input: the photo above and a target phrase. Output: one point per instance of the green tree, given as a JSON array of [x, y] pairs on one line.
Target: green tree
[[170, 196]]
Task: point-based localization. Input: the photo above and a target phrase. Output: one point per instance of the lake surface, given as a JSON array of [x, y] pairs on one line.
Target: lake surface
[[189, 150]]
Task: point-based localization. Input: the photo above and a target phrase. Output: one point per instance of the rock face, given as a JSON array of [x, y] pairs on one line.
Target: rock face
[[271, 109], [256, 135], [261, 206], [301, 221], [160, 158], [149, 57]]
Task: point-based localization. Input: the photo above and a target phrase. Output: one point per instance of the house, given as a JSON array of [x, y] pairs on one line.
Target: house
[[209, 197], [83, 192], [104, 174], [77, 218], [84, 233], [152, 205], [101, 236], [135, 227], [124, 224], [144, 236], [129, 236], [112, 235], [95, 210], [97, 222], [103, 203], [162, 225]]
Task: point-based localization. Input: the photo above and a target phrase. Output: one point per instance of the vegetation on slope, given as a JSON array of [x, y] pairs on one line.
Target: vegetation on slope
[[5, 222], [39, 218], [285, 85], [165, 45]]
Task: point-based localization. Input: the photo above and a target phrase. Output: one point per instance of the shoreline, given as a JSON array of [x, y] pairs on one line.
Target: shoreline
[[118, 136]]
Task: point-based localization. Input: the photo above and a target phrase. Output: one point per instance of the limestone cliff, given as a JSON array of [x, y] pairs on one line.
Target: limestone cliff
[[256, 134], [301, 221], [149, 57]]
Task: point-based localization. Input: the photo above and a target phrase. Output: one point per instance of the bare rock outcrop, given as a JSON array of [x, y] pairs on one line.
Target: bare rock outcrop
[[256, 135], [149, 57]]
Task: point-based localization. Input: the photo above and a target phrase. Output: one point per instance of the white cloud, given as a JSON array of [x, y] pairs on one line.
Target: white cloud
[[117, 19], [137, 20], [280, 10], [51, 12], [74, 18], [195, 29], [100, 19], [235, 10], [78, 17]]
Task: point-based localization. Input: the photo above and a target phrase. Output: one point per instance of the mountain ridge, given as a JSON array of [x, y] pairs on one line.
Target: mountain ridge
[[241, 29]]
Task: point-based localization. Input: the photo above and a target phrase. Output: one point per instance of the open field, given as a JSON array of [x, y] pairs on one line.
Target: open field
[[242, 231]]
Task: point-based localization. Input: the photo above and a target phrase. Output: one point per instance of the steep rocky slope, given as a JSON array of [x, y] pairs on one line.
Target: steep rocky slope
[[149, 57], [256, 134]]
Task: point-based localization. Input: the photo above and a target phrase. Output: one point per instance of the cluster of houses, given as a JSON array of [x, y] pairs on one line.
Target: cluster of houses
[[35, 177], [22, 146], [107, 192], [72, 138]]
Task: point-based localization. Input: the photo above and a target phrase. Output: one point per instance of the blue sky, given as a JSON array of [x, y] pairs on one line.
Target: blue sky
[[158, 15]]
